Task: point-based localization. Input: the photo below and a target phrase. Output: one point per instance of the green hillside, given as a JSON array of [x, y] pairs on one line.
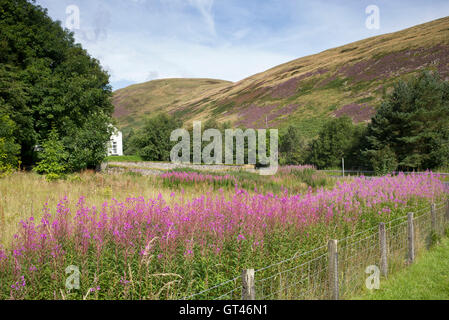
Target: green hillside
[[135, 103], [348, 80]]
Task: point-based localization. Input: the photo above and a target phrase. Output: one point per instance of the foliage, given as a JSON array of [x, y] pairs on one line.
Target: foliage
[[293, 147], [52, 158], [383, 161], [9, 149], [128, 147], [86, 147], [412, 125], [46, 81], [311, 177], [175, 179], [152, 142], [337, 139]]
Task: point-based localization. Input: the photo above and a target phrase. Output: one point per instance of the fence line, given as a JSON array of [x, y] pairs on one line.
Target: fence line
[[337, 270], [361, 172]]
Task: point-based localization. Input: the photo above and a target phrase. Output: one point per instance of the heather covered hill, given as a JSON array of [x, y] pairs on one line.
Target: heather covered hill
[[134, 103], [348, 80]]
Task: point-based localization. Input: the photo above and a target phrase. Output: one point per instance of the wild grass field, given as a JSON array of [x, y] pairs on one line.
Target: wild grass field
[[427, 279], [174, 235]]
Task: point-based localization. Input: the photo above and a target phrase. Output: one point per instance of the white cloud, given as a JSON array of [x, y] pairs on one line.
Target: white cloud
[[242, 33], [138, 40], [152, 75], [205, 8], [130, 58]]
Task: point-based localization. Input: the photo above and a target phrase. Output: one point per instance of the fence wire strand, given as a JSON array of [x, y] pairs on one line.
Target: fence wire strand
[[305, 276]]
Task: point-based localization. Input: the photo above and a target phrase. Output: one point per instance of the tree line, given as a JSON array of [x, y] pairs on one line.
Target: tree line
[[52, 92], [410, 131], [152, 142]]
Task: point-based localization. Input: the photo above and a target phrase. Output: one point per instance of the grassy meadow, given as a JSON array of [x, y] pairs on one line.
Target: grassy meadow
[[177, 234], [24, 194], [427, 279]]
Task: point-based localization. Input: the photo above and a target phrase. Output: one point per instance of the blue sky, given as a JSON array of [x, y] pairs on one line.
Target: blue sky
[[141, 40]]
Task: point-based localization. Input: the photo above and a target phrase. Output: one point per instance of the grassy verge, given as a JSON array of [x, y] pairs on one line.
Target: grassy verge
[[427, 279], [124, 159]]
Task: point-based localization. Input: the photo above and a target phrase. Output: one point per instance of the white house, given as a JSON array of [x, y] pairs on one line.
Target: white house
[[115, 145]]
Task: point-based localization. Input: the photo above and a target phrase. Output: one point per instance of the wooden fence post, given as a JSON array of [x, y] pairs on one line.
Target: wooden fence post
[[447, 210], [383, 250], [411, 238], [248, 285], [433, 213], [333, 269]]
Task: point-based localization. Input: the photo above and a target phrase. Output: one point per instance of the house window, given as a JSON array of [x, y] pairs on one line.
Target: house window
[[114, 147]]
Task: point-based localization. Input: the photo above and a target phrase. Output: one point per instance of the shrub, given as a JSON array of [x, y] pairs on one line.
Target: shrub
[[337, 139], [152, 142], [292, 147], [383, 161], [52, 158]]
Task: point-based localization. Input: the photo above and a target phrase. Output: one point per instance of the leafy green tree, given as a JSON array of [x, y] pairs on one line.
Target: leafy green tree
[[47, 80], [52, 157], [293, 147], [9, 149], [336, 140], [383, 161], [128, 148], [86, 147], [152, 142], [412, 125], [353, 156]]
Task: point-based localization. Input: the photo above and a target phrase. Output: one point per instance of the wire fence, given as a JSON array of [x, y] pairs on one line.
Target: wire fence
[[308, 276], [298, 277], [373, 173]]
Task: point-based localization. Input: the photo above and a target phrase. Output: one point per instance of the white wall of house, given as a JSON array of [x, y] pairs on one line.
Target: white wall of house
[[115, 145]]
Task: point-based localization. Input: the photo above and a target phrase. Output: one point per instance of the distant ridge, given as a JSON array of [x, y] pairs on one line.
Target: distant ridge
[[348, 80]]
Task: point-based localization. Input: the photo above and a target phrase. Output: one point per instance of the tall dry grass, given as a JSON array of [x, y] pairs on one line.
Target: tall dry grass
[[23, 194]]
